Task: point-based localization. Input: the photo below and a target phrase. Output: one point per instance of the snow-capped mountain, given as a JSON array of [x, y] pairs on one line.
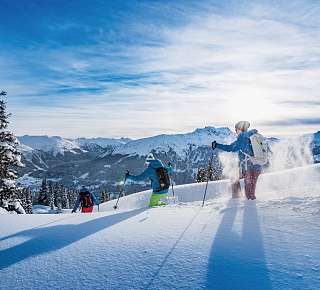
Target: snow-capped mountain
[[178, 143], [102, 162], [102, 142], [54, 145]]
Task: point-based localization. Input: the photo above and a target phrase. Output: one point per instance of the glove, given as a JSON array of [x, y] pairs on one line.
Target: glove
[[127, 174], [170, 164], [214, 145]]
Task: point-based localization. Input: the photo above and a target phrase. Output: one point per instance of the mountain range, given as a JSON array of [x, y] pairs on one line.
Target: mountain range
[[101, 162]]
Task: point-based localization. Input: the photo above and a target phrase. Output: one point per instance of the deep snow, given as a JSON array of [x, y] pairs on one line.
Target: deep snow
[[272, 243]]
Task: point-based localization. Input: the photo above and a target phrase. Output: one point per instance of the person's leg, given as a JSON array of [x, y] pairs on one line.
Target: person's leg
[[250, 181], [247, 187], [255, 176], [87, 209], [155, 199], [236, 188]]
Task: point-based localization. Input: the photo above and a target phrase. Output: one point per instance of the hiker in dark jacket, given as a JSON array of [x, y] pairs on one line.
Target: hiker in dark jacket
[[249, 171], [86, 200]]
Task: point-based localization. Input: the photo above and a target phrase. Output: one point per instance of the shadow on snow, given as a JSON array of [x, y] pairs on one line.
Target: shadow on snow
[[49, 239], [238, 262]]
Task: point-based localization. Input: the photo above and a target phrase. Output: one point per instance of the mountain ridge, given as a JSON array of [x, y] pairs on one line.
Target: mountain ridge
[[102, 162]]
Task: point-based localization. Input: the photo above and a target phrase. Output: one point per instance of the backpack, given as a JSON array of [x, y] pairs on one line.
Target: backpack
[[163, 177], [260, 149], [86, 200]]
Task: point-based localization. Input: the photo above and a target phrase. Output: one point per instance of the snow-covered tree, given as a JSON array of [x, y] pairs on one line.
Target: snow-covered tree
[[25, 197], [201, 175], [29, 200], [10, 157], [65, 199], [104, 196], [210, 172], [72, 196], [58, 196], [43, 193], [51, 195]]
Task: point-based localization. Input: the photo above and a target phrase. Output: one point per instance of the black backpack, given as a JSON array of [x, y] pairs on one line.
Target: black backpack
[[163, 177], [86, 200]]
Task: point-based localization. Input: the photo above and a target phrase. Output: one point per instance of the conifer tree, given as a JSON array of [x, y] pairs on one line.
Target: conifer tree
[[72, 196], [51, 195], [10, 158], [201, 175], [43, 193], [58, 196], [104, 196], [210, 172], [65, 199], [26, 199]]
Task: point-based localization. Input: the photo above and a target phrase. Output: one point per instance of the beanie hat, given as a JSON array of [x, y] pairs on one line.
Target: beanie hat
[[242, 125], [150, 157]]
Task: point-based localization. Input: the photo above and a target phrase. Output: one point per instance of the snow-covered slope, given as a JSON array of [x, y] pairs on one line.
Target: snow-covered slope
[[26, 151], [270, 243], [178, 142], [55, 144], [102, 142], [58, 145], [3, 211], [271, 185]]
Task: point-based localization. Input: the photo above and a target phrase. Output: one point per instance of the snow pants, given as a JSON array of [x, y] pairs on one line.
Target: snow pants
[[87, 209], [155, 199], [250, 182]]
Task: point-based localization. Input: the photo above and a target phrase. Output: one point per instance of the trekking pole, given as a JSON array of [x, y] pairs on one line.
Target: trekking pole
[[205, 192], [174, 199], [172, 189], [171, 181], [124, 182]]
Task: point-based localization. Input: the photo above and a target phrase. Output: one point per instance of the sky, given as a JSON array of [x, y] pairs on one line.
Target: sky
[[141, 68]]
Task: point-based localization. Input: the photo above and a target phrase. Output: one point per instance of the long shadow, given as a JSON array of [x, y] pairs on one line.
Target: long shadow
[[39, 226], [238, 262], [49, 239]]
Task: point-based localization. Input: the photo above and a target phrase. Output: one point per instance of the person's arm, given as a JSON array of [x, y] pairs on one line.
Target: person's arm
[[143, 176], [170, 168], [233, 147], [76, 205], [94, 199]]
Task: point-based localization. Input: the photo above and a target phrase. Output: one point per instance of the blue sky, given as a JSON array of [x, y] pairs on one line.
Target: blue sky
[[141, 68]]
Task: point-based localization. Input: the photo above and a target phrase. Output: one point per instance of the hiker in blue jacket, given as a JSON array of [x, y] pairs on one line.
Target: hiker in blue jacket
[[249, 171], [86, 200], [160, 185]]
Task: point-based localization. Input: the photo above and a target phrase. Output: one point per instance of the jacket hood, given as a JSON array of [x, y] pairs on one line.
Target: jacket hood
[[250, 132]]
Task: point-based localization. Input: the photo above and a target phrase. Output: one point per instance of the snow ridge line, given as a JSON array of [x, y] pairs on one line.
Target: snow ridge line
[[173, 248], [65, 218]]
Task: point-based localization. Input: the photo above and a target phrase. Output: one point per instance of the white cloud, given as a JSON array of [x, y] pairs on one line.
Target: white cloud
[[214, 70]]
